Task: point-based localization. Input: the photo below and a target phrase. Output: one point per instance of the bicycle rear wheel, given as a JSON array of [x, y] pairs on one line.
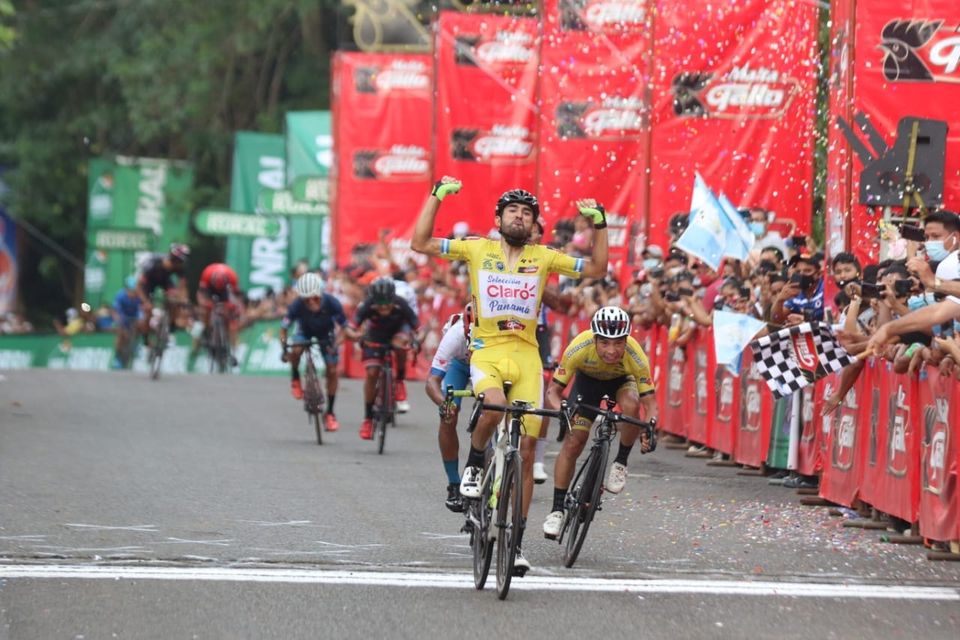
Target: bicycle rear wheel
[[218, 346], [585, 498], [480, 537], [313, 397], [509, 521], [384, 398], [158, 347]]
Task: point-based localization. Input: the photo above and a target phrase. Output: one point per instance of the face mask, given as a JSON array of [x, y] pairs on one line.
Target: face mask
[[758, 228], [935, 250], [696, 281], [918, 302], [650, 263]]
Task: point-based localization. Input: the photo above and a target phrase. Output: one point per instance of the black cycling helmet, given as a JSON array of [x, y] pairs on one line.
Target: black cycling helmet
[[518, 196], [382, 291], [179, 252]]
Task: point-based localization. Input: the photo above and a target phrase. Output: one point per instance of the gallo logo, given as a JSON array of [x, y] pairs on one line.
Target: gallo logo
[[701, 388], [740, 93], [402, 162], [602, 15], [403, 75], [506, 48], [808, 426], [502, 144], [936, 432], [752, 407], [920, 51], [844, 441], [613, 118], [725, 399], [898, 412], [805, 351]]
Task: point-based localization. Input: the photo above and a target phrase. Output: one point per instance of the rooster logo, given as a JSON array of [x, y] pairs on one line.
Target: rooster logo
[[686, 93], [899, 40]]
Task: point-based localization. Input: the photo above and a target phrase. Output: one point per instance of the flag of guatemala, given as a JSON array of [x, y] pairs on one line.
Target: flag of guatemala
[[732, 332], [740, 243], [706, 234]]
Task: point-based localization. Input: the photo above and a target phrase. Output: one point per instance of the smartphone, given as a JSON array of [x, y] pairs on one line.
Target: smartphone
[[903, 287], [684, 292], [798, 241], [910, 232], [671, 297], [871, 290]]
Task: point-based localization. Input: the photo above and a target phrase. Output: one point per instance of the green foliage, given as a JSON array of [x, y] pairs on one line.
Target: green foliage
[[155, 78]]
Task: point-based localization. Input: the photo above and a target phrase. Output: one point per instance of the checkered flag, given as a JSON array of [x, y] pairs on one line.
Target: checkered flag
[[795, 357]]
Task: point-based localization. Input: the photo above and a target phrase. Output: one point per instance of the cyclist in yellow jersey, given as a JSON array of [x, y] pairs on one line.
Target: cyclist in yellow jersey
[[607, 361], [507, 277]]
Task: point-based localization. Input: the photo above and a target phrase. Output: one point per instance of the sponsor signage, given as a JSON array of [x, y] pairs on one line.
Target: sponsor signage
[[742, 92], [231, 223], [399, 162], [920, 51], [283, 202], [123, 239], [401, 75]]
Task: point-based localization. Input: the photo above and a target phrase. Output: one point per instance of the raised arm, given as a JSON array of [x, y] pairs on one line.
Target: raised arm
[[596, 265], [423, 240]]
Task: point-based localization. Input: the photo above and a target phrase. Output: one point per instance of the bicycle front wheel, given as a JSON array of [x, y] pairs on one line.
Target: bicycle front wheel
[[158, 347], [586, 498], [480, 537], [509, 521], [383, 414]]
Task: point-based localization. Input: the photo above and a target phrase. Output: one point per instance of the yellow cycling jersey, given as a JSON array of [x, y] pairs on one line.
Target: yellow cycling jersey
[[507, 300], [581, 356]]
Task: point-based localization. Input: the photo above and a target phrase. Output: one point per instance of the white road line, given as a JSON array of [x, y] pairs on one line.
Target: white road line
[[148, 528], [465, 581]]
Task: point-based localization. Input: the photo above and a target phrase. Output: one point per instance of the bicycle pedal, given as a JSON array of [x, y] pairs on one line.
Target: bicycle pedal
[[519, 572], [549, 536]]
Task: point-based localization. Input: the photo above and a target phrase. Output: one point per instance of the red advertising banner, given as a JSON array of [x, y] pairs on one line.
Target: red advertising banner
[[676, 416], [905, 64], [939, 425], [809, 460], [594, 125], [382, 139], [838, 197], [897, 489], [756, 412], [840, 482], [661, 375], [734, 91], [873, 431], [727, 421], [485, 112], [701, 376]]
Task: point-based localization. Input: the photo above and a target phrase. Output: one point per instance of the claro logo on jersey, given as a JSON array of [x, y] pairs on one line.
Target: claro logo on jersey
[[936, 431], [502, 144], [611, 118], [602, 15], [920, 51], [399, 75], [504, 49], [743, 92], [503, 294], [400, 162]]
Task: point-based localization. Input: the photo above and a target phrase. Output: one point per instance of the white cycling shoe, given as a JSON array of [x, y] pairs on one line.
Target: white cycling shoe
[[617, 478], [552, 525], [520, 565], [403, 406], [471, 482], [539, 473]]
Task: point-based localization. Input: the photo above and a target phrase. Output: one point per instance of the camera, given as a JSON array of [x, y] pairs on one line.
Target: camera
[[685, 292], [910, 232], [872, 290], [672, 297], [902, 288]]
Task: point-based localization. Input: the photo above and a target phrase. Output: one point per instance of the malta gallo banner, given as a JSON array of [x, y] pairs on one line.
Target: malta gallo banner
[[839, 155], [485, 112], [594, 120], [906, 64], [734, 99], [382, 107]]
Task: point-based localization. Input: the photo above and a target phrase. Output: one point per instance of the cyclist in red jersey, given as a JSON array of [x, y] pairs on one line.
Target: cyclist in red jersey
[[218, 283]]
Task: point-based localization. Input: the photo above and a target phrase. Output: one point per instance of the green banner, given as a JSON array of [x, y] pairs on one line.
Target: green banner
[[258, 353], [309, 144], [311, 189], [779, 451], [144, 203], [212, 222]]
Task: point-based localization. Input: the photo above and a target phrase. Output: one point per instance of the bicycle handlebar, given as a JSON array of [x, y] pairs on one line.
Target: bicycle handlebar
[[615, 416]]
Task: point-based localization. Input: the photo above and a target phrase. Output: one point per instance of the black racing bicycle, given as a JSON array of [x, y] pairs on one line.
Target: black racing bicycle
[[159, 334], [218, 343], [496, 516], [586, 496], [384, 398]]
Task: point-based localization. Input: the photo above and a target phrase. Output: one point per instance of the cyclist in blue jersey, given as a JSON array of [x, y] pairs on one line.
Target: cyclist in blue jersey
[[127, 307], [317, 315]]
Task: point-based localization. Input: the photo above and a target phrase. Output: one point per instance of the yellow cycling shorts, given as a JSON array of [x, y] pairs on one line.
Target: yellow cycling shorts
[[521, 366]]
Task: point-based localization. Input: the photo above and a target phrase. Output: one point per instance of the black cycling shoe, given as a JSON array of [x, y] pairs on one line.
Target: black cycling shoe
[[454, 499]]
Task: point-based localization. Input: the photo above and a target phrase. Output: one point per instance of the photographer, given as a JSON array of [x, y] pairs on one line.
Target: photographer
[[801, 299], [942, 246]]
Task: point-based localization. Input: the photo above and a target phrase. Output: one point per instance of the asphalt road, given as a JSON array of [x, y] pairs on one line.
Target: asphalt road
[[202, 507]]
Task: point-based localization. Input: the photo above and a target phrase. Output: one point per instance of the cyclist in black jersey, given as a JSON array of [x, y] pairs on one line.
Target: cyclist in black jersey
[[386, 320], [166, 272]]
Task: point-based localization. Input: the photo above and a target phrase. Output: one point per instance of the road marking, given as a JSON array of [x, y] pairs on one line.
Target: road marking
[[219, 543], [465, 581], [148, 528]]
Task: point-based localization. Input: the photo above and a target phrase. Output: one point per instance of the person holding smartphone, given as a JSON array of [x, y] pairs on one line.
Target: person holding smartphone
[[801, 299]]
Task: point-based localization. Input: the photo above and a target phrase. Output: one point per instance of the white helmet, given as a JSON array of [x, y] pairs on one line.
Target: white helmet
[[309, 285], [610, 322]]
